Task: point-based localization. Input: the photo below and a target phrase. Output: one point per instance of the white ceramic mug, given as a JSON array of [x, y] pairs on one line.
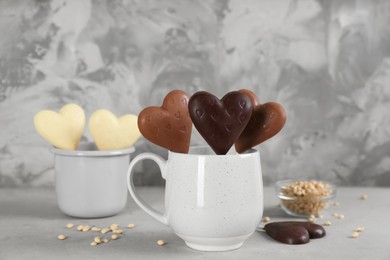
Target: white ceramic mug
[[213, 202], [91, 183]]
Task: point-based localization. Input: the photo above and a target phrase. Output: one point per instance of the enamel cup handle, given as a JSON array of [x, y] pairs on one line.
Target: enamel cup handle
[[130, 184]]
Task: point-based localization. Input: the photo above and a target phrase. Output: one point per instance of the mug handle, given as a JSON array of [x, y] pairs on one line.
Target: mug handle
[[130, 184]]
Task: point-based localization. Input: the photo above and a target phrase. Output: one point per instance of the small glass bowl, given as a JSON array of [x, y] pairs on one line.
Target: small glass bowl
[[304, 205]]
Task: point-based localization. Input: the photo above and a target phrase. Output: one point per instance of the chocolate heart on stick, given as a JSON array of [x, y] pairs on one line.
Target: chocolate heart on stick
[[220, 122], [62, 130], [112, 133], [170, 125], [266, 121]]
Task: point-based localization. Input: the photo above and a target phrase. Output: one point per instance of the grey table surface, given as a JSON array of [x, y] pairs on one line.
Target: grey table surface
[[30, 223]]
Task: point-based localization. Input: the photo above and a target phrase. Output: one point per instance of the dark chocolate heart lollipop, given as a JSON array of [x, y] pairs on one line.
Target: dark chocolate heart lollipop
[[220, 122], [266, 121], [294, 232], [170, 125]]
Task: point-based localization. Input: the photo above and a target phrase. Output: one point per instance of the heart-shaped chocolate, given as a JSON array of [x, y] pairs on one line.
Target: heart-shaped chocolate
[[294, 232], [170, 125], [220, 122], [266, 121], [64, 129], [112, 133]]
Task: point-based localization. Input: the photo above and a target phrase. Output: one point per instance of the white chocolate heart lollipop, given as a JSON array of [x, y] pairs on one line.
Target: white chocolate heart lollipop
[[62, 130], [110, 132]]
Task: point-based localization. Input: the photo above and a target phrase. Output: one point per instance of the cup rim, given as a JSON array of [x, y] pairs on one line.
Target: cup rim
[[249, 152], [94, 153]]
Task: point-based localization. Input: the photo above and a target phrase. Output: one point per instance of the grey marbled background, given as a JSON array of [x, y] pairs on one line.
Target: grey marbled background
[[327, 62]]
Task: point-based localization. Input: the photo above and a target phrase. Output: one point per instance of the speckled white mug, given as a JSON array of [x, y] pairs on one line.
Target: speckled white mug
[[213, 202], [91, 183]]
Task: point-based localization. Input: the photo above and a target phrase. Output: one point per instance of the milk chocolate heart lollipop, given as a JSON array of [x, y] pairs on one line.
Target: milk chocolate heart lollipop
[[266, 121], [170, 125], [220, 122]]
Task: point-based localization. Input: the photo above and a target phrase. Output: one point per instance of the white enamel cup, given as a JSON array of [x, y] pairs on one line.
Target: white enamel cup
[[91, 183], [213, 202]]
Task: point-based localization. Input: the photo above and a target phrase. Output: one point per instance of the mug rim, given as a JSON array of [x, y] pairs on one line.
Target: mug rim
[[248, 152], [92, 153]]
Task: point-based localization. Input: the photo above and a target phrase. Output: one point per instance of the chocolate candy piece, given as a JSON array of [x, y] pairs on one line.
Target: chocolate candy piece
[[266, 121], [220, 122], [293, 235], [170, 125], [315, 231], [294, 232]]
